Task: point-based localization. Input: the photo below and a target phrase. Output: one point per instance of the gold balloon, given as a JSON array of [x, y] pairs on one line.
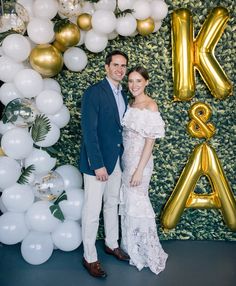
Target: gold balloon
[[198, 126], [202, 162], [183, 55], [84, 21], [189, 53], [46, 60], [146, 26], [1, 152], [68, 35]]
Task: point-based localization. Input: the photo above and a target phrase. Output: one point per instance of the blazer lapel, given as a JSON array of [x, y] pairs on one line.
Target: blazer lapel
[[111, 98]]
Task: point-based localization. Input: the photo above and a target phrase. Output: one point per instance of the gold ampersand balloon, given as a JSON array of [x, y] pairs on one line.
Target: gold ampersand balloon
[[199, 114], [46, 60], [189, 53]]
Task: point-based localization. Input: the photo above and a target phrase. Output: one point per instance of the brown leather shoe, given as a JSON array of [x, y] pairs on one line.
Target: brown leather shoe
[[118, 253], [94, 269]]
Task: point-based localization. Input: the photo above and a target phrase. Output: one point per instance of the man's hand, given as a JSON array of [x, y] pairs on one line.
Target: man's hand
[[101, 174]]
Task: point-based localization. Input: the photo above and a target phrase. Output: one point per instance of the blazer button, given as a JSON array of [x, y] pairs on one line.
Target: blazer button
[[118, 145], [119, 130]]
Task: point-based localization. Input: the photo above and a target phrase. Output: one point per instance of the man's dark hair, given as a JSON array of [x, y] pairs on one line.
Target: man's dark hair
[[115, 53]]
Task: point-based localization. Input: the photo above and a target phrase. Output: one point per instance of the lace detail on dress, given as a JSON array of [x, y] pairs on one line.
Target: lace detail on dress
[[140, 241], [146, 122], [139, 234]]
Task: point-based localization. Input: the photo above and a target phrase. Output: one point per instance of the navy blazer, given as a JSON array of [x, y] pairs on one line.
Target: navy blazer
[[101, 129]]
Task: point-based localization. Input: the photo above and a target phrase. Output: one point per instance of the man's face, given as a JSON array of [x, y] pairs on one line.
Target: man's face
[[116, 70]]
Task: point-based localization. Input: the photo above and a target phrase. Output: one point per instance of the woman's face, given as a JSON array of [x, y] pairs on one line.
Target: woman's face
[[136, 83]]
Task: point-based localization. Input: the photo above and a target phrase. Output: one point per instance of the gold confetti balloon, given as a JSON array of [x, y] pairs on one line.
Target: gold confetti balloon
[[46, 60], [146, 26]]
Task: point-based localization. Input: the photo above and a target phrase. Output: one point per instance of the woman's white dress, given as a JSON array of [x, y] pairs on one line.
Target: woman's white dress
[[139, 232]]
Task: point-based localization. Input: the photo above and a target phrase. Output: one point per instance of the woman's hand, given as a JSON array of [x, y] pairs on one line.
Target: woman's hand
[[136, 179]]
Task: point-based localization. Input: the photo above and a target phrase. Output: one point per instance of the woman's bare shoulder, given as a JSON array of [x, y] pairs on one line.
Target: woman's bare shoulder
[[151, 105]]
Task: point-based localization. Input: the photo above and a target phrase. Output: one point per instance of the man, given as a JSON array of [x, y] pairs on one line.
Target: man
[[103, 106]]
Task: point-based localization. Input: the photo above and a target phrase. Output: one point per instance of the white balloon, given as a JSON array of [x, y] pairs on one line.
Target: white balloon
[[39, 217], [95, 42], [4, 127], [1, 52], [51, 138], [12, 228], [17, 143], [9, 68], [8, 92], [112, 35], [41, 160], [37, 247], [72, 207], [46, 9], [18, 198], [49, 101], [157, 25], [10, 171], [82, 38], [71, 176], [125, 4], [75, 59], [52, 84], [103, 21], [29, 82], [105, 5], [141, 9], [159, 10], [3, 208], [61, 118], [67, 236], [126, 25], [16, 47], [40, 31]]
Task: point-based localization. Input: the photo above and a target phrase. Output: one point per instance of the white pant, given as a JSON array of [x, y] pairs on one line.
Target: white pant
[[95, 192]]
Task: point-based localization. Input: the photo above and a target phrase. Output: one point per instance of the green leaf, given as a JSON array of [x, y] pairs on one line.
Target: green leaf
[[61, 198], [40, 128], [25, 174], [120, 13], [11, 111], [56, 212]]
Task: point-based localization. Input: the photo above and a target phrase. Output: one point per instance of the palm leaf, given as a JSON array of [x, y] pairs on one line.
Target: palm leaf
[[56, 212], [25, 174], [40, 128], [11, 111], [61, 198]]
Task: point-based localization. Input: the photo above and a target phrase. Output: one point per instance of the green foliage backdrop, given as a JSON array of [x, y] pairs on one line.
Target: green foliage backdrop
[[172, 152]]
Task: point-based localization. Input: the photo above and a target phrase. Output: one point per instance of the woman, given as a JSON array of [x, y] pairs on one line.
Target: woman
[[142, 123]]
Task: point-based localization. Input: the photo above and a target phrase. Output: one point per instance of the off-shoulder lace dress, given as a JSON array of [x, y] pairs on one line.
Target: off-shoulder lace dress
[[139, 232]]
